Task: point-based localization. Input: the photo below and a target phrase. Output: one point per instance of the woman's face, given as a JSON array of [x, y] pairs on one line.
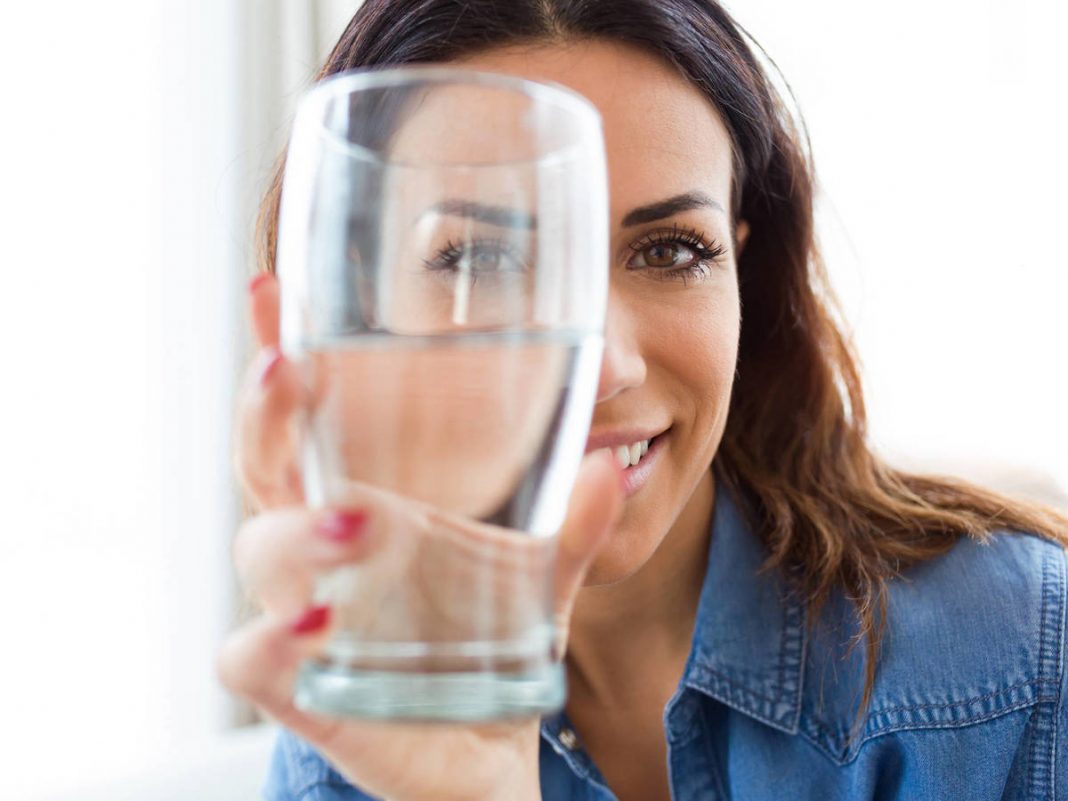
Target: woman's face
[[673, 309]]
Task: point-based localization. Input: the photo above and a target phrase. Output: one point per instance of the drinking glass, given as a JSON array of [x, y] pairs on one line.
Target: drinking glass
[[442, 258]]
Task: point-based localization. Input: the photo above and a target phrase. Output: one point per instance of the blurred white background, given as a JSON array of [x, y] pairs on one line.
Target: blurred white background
[[137, 136]]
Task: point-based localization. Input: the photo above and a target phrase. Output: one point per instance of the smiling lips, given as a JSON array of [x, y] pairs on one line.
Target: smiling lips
[[635, 452]]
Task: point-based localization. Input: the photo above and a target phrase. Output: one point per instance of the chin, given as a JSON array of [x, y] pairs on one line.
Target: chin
[[622, 556]]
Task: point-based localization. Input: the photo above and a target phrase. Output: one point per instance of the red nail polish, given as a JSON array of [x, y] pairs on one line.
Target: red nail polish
[[270, 359], [343, 526], [258, 281], [315, 619]]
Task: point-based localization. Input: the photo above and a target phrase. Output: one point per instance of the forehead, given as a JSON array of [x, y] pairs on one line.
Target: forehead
[[662, 135]]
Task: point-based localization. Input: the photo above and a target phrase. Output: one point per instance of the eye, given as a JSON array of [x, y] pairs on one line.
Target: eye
[[663, 254], [675, 253], [478, 256]]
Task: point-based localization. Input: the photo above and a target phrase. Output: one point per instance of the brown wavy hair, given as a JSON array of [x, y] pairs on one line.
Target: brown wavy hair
[[831, 514]]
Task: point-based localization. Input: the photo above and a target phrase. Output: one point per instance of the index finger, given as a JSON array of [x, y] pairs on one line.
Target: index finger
[[265, 443], [264, 304]]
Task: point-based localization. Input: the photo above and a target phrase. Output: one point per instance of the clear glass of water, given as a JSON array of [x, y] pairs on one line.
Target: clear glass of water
[[443, 265]]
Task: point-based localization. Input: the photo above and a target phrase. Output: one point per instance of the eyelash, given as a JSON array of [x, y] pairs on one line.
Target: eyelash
[[705, 250], [447, 256]]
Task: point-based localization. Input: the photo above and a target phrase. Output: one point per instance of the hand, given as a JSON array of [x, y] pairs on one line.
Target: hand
[[280, 551]]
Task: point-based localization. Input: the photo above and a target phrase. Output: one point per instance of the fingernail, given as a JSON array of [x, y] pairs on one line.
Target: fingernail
[[271, 358], [257, 281], [315, 619], [343, 526]]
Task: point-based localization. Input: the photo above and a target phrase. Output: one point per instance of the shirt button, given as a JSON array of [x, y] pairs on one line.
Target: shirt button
[[568, 739]]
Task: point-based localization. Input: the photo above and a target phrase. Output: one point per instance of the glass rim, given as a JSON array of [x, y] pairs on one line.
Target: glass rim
[[396, 76]]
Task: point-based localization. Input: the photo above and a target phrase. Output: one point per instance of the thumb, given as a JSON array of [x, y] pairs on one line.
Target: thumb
[[595, 508]]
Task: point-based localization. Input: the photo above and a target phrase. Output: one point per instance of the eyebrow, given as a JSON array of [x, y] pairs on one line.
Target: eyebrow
[[673, 205], [500, 216]]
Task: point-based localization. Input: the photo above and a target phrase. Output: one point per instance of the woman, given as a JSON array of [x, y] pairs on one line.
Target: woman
[[906, 635]]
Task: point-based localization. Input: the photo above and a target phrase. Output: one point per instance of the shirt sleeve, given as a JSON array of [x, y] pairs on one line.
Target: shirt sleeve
[[298, 773]]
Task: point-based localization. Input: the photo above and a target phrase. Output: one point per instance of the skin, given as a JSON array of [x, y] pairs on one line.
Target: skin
[[671, 347]]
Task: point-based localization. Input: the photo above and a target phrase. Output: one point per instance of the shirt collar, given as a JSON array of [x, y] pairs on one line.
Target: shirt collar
[[748, 644], [749, 639]]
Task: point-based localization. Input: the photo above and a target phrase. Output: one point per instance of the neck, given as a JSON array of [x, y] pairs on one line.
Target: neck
[[622, 631]]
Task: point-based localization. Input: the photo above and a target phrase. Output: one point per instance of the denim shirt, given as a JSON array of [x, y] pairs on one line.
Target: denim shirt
[[970, 699]]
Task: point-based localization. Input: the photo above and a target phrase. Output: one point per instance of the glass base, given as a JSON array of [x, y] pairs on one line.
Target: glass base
[[457, 697]]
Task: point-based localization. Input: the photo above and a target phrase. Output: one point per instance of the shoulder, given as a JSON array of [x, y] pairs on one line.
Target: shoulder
[[972, 637], [980, 613], [299, 773], [985, 620]]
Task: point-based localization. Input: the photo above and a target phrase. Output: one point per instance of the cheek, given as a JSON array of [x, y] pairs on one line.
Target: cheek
[[695, 350], [690, 346]]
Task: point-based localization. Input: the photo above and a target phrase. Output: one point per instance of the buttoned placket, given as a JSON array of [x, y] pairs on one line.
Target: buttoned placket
[[561, 735]]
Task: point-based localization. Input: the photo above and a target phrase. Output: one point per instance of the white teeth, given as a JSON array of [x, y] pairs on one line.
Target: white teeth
[[630, 455]]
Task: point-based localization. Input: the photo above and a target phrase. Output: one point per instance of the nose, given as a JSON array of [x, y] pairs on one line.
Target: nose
[[622, 366]]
